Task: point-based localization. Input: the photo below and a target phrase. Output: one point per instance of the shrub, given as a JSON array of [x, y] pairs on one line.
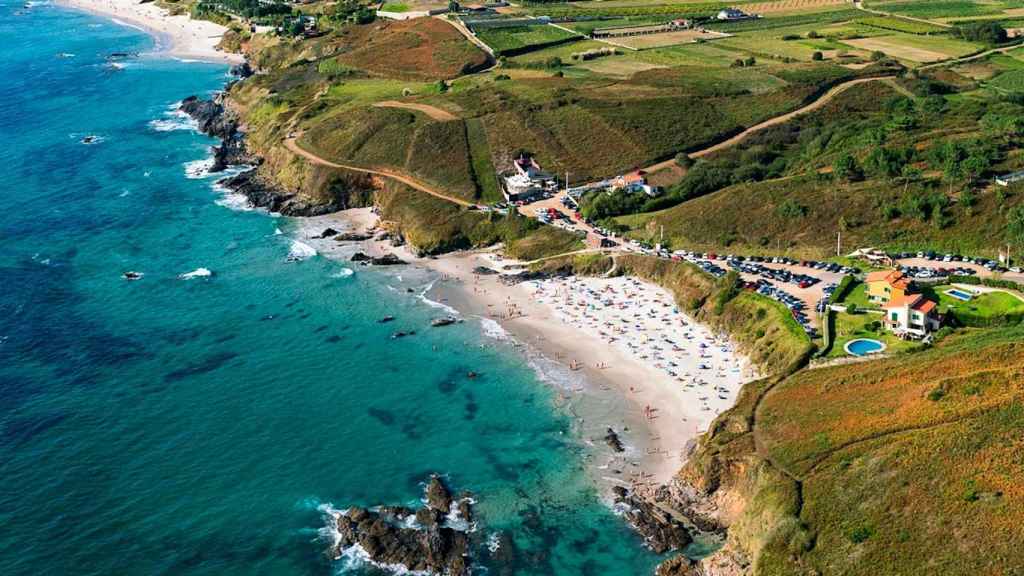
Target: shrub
[[878, 55], [985, 32], [813, 34], [817, 56], [791, 210], [860, 534], [684, 160]]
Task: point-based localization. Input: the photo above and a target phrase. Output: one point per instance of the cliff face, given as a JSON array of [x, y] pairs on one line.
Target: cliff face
[[895, 466]]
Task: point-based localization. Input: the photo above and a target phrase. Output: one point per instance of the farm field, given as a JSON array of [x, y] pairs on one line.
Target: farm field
[[920, 49], [664, 39], [793, 6], [940, 8], [521, 38], [1010, 81], [411, 49], [900, 25]]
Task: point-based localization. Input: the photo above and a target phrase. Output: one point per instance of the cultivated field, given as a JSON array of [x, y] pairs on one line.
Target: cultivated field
[[664, 39], [413, 49], [521, 38], [922, 49]]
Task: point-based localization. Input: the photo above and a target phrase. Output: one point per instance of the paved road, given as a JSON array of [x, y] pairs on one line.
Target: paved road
[[291, 144]]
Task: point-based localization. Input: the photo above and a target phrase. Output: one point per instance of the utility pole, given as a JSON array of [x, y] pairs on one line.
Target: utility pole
[[839, 242]]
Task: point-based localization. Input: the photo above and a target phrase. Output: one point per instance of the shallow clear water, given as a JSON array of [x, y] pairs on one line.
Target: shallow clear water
[[862, 346], [194, 426]]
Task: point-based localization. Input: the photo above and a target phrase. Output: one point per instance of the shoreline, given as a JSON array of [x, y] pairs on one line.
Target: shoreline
[[657, 417], [180, 37]]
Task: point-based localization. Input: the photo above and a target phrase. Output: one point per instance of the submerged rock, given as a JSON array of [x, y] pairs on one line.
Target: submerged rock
[[428, 546], [613, 441]]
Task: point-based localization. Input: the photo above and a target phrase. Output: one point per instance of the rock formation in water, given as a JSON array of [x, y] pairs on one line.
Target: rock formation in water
[[418, 540]]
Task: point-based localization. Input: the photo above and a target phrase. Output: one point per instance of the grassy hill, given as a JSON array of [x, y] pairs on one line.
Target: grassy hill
[[902, 466], [920, 168]]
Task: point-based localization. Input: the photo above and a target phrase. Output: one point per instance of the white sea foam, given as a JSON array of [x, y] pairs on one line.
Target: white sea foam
[[492, 329], [176, 121], [343, 273], [197, 273], [277, 232], [493, 542], [231, 200], [434, 303], [300, 251], [198, 169]]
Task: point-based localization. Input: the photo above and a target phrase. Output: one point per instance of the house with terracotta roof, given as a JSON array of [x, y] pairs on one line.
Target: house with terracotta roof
[[885, 285], [911, 315]]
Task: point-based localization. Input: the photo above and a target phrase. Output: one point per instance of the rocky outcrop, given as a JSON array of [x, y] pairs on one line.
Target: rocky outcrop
[[426, 544], [215, 120], [210, 116], [241, 71], [613, 441], [661, 530], [352, 237], [385, 260]]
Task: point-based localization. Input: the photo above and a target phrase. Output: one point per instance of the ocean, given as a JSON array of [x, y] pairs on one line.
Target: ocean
[[194, 424]]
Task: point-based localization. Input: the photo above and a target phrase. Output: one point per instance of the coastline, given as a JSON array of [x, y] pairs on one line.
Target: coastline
[[604, 386], [177, 36]]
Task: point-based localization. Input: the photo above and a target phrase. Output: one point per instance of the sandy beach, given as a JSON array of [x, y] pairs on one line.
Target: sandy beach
[[630, 359], [179, 36]]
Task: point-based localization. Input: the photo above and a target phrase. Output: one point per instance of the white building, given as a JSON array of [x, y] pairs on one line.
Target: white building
[[912, 314]]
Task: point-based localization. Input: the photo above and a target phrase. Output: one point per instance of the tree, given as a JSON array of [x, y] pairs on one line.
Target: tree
[[845, 168], [684, 160], [986, 32], [878, 55], [750, 61], [1015, 226], [817, 56]]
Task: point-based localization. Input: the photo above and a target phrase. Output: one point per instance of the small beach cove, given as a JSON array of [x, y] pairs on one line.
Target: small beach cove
[[658, 382]]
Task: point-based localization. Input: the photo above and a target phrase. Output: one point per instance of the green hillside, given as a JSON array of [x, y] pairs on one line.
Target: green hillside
[[900, 466]]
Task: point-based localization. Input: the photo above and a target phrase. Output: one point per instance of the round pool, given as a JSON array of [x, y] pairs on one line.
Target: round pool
[[863, 347]]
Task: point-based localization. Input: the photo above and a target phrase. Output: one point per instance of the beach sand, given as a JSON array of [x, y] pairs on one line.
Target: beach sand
[[614, 373], [179, 36]]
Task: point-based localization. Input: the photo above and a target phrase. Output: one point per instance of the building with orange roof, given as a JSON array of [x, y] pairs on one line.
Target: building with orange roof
[[886, 285], [912, 315]]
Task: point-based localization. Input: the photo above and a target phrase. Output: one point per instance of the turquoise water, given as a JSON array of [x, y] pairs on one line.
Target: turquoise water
[[864, 346], [187, 427], [960, 294]]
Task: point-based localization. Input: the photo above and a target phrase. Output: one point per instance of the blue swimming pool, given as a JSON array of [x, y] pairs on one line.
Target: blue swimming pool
[[960, 294], [863, 347]]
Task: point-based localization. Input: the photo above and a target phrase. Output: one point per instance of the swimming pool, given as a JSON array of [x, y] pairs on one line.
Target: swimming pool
[[960, 294], [863, 347]]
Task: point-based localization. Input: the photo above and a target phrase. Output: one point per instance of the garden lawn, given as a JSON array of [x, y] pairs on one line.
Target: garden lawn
[[983, 308], [862, 325]]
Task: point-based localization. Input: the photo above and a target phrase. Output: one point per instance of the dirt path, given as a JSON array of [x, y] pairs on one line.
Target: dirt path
[[823, 100], [860, 6], [432, 111], [291, 144]]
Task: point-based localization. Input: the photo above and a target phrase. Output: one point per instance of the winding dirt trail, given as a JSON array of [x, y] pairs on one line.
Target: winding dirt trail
[[432, 111], [820, 102], [291, 144]]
